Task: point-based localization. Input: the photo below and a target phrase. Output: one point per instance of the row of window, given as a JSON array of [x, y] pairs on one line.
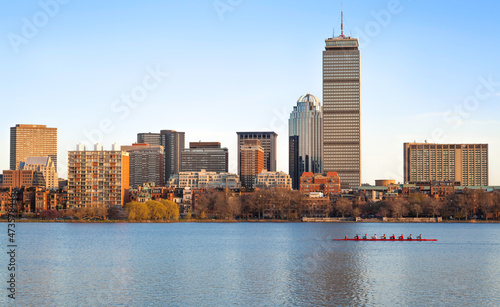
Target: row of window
[[345, 55]]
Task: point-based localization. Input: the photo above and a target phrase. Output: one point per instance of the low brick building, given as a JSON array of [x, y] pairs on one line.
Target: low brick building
[[328, 184]]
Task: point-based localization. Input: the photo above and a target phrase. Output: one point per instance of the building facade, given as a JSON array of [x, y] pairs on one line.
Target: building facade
[[328, 184], [463, 163], [252, 162], [205, 180], [32, 141], [146, 164], [48, 200], [293, 160], [173, 143], [98, 177], [341, 109], [149, 138], [45, 170], [205, 155], [19, 178], [280, 180], [268, 143], [306, 122]]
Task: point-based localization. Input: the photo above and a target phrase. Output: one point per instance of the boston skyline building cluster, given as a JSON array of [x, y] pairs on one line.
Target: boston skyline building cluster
[[324, 142]]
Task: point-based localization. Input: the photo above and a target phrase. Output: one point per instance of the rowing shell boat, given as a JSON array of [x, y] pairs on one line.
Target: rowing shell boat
[[384, 239]]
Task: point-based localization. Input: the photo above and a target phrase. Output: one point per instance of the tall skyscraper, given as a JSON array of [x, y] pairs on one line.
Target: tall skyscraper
[[32, 141], [173, 143], [341, 109], [146, 164], [306, 122], [149, 138], [267, 141], [464, 163], [205, 155], [252, 162]]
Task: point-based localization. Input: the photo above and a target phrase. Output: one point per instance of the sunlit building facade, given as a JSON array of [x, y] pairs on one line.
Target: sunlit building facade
[[463, 163], [341, 110], [279, 180], [32, 141], [205, 180], [98, 178], [45, 170], [268, 143], [251, 162], [306, 123]]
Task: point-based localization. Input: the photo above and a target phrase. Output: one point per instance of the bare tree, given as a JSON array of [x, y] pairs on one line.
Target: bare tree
[[496, 203], [467, 202], [484, 202], [226, 206], [296, 209], [398, 207], [417, 209], [343, 206], [435, 207]]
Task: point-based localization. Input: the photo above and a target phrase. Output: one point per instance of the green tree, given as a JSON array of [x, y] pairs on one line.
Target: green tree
[[157, 210], [172, 209], [137, 211]]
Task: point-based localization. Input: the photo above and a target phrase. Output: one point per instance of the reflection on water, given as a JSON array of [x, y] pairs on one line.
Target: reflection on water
[[256, 264]]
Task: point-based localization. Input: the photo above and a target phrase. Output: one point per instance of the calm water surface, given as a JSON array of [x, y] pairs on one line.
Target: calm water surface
[[254, 264]]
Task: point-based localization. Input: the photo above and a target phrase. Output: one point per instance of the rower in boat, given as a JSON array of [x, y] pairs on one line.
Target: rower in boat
[[356, 237], [374, 237], [383, 237], [419, 237], [401, 237], [409, 237], [393, 237], [365, 236]]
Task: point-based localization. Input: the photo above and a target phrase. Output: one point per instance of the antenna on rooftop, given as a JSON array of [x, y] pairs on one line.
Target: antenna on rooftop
[[342, 19]]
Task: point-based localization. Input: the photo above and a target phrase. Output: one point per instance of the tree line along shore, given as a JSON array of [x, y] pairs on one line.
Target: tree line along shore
[[285, 205]]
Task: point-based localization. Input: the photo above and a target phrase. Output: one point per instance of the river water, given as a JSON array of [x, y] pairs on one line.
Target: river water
[[253, 264]]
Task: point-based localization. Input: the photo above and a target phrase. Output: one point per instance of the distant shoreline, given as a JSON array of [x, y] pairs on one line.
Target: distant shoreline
[[254, 221]]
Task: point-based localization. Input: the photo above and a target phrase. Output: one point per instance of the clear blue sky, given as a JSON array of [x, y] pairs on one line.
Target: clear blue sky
[[242, 66]]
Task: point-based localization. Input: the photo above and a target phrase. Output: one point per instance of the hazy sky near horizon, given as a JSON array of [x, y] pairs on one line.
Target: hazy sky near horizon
[[108, 70]]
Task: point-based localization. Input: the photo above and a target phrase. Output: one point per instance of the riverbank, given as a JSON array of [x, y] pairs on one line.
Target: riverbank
[[304, 220]]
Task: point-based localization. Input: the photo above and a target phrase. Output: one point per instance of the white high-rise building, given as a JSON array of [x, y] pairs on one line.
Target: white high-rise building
[[305, 129]]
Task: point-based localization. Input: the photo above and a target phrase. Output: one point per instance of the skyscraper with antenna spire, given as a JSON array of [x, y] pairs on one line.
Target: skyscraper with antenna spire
[[341, 108]]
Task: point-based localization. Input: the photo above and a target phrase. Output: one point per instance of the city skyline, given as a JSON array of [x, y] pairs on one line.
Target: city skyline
[[400, 102]]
